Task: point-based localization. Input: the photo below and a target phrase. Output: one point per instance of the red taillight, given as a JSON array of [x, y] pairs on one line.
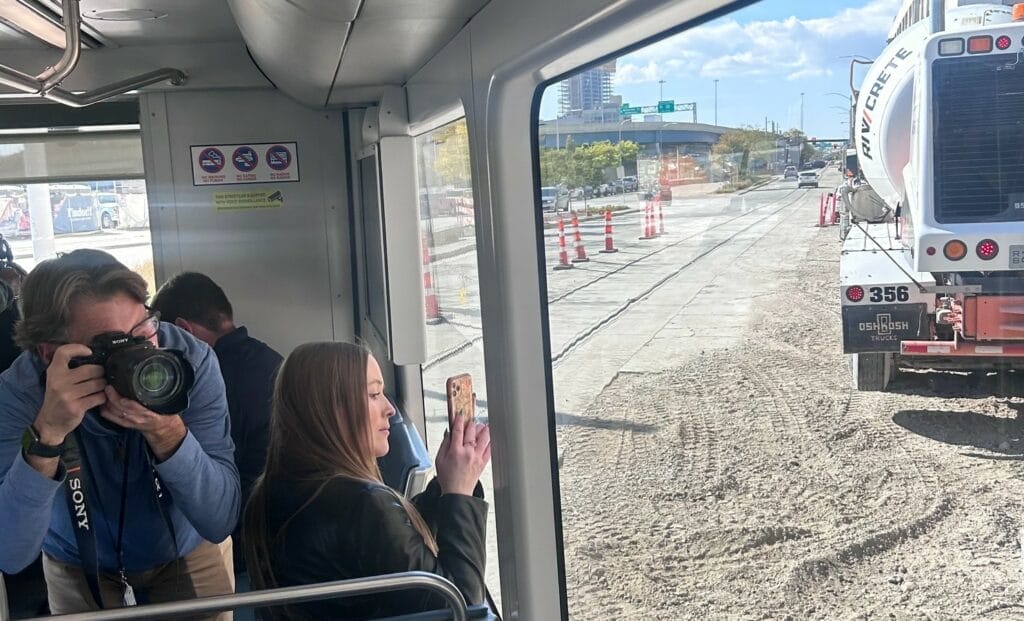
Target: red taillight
[[979, 45], [1003, 42], [855, 293], [987, 249]]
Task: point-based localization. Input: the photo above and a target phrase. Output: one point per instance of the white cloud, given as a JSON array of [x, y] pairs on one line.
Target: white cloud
[[790, 48]]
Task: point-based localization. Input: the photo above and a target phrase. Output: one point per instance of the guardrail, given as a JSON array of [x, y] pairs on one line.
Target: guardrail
[[276, 597]]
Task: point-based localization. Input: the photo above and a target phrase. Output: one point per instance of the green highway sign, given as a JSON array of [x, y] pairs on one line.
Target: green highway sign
[[624, 111], [667, 106]]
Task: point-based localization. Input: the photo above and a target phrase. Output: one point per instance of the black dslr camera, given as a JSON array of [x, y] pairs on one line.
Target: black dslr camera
[[157, 378]]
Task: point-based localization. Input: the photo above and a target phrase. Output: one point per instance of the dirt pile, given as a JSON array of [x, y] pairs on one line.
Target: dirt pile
[[754, 484]]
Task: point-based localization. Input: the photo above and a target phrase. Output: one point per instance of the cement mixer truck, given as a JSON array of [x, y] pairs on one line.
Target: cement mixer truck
[[932, 261]]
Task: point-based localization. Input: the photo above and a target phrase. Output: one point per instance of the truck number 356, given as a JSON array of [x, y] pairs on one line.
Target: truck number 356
[[890, 294]]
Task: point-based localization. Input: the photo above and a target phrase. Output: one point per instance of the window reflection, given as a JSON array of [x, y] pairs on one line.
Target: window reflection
[[452, 290]]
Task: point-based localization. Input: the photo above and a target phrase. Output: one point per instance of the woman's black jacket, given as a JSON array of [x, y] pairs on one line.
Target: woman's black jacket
[[354, 529]]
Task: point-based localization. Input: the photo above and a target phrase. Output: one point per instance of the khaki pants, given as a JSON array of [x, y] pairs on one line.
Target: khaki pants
[[205, 571]]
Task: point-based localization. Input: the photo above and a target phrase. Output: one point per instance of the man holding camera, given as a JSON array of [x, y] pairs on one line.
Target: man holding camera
[[127, 502]]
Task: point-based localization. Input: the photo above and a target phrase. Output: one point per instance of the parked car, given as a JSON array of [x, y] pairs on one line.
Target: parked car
[[630, 183], [554, 198], [807, 178], [790, 172]]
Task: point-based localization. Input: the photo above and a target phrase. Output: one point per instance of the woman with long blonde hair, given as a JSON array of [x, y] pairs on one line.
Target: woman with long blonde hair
[[321, 512]]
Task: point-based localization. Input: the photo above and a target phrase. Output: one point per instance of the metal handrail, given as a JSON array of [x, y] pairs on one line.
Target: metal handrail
[[45, 84], [286, 595], [52, 76]]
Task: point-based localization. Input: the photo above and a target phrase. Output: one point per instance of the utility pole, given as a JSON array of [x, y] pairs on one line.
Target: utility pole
[[716, 103]]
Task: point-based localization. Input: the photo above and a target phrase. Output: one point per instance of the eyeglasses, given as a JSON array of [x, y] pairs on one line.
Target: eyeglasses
[[147, 328]]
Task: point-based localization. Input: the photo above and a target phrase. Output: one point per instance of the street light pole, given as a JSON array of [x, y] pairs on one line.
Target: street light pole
[[622, 167], [661, 90], [716, 103], [801, 112]]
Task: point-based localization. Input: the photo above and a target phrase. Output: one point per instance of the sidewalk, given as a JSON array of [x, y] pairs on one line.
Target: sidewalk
[[441, 252]]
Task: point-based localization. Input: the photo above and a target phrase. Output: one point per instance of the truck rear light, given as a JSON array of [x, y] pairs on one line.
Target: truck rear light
[[987, 249], [855, 293], [955, 250], [951, 47], [981, 44], [930, 251], [1004, 42]]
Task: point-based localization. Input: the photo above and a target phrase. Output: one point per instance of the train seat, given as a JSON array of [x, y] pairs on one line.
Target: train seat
[[407, 467]]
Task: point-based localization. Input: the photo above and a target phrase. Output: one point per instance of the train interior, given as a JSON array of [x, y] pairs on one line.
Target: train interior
[[322, 240]]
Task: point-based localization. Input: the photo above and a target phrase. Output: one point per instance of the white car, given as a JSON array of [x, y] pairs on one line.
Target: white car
[[807, 178]]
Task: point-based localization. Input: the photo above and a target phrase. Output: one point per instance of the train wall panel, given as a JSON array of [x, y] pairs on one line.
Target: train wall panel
[[279, 248]]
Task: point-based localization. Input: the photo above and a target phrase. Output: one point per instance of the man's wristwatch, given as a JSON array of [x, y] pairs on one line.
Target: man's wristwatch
[[37, 448]]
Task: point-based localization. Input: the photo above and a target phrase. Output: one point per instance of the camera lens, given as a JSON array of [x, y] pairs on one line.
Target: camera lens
[[155, 376]]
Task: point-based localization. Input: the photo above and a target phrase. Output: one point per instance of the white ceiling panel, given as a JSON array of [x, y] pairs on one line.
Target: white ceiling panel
[[390, 51], [329, 10], [296, 46], [392, 39], [454, 10], [12, 39], [181, 21]]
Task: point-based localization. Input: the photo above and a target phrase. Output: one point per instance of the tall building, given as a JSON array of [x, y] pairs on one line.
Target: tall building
[[587, 91]]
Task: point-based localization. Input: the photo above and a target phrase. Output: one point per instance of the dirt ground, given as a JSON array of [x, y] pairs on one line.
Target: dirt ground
[[752, 483]]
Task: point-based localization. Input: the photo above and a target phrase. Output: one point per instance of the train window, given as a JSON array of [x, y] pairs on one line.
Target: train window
[[716, 458], [77, 188], [452, 290]]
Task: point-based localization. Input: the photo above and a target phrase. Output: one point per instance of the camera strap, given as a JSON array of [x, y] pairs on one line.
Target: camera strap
[[74, 458], [76, 464]]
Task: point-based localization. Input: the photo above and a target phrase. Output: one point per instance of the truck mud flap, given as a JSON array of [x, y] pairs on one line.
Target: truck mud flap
[[880, 328]]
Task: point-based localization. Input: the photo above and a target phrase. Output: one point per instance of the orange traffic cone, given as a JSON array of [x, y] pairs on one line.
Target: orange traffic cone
[[648, 221], [563, 255], [609, 244], [581, 253], [433, 308]]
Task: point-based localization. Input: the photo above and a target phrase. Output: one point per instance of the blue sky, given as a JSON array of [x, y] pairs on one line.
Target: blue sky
[[763, 57]]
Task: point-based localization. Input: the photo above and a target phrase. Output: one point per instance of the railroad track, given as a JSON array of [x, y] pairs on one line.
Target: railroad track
[[774, 206]]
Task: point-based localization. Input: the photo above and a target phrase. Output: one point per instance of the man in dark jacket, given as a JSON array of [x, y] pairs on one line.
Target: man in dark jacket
[[6, 254], [196, 304]]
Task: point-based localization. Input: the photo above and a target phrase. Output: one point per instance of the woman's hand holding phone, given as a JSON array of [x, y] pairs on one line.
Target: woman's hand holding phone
[[462, 457]]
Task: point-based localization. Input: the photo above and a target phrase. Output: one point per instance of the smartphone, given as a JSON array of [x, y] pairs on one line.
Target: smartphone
[[461, 400]]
